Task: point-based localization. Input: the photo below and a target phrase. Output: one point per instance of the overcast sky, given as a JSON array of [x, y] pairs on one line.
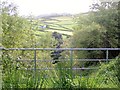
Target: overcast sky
[[40, 7]]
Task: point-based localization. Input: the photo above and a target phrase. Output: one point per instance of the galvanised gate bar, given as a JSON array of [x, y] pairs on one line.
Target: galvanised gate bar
[[64, 49]]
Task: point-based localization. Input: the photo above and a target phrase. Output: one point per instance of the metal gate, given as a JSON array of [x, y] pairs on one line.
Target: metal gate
[[37, 63]]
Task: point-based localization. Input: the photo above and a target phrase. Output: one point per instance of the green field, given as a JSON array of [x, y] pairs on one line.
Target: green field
[[62, 24]]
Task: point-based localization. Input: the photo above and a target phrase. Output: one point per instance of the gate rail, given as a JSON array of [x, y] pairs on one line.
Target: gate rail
[[67, 49], [70, 49]]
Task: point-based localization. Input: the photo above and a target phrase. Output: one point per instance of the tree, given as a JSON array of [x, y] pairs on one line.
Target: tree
[[16, 31], [107, 15], [97, 29]]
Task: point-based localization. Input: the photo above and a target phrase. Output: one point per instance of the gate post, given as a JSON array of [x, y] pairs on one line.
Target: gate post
[[71, 62], [106, 55], [35, 66]]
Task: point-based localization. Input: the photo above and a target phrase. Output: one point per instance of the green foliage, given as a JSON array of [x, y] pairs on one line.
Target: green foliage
[[64, 78], [106, 77], [110, 73], [97, 29], [14, 28], [88, 37]]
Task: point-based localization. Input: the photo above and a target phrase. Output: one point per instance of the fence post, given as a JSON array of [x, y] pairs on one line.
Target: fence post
[[106, 55], [71, 61], [35, 66]]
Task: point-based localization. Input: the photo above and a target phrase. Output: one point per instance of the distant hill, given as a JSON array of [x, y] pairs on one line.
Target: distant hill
[[53, 15]]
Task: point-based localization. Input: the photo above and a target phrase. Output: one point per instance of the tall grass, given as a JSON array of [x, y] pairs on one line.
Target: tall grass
[[64, 77], [0, 77], [111, 73], [106, 77]]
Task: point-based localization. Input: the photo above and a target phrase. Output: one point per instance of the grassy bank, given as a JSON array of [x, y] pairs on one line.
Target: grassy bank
[[106, 77]]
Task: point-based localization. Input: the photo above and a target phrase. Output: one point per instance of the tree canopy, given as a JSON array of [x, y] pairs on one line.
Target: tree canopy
[[98, 28]]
